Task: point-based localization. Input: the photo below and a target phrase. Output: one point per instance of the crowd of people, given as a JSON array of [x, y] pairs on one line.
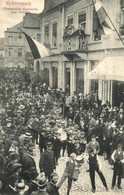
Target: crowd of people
[[32, 113]]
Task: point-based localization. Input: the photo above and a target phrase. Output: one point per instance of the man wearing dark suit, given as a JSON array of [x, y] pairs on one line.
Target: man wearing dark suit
[[94, 165], [51, 185], [47, 161], [29, 165]]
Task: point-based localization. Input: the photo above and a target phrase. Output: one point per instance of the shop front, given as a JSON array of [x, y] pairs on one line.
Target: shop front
[[110, 76]]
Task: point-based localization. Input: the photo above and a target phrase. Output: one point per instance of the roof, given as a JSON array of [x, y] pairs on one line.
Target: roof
[[31, 20], [50, 4], [15, 28]]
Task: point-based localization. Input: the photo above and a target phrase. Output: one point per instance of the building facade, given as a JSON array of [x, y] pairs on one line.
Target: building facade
[[70, 29], [17, 51], [1, 52]]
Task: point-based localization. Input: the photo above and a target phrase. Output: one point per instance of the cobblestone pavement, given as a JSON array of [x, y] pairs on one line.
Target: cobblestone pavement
[[83, 185]]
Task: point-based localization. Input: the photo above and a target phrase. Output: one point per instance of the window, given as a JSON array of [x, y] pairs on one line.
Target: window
[[15, 40], [82, 20], [122, 17], [54, 35], [121, 29], [15, 50], [70, 20], [46, 35], [10, 52], [19, 52], [122, 4], [20, 41], [96, 27], [38, 37], [10, 40]]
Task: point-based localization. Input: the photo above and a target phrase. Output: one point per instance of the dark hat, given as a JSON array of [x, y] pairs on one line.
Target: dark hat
[[93, 136], [16, 166], [49, 144], [120, 145], [53, 175], [12, 179], [31, 146]]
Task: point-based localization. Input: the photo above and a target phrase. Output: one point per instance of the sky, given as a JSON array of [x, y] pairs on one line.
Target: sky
[[9, 18]]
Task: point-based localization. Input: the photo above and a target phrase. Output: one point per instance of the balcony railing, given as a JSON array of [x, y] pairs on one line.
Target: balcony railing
[[74, 40]]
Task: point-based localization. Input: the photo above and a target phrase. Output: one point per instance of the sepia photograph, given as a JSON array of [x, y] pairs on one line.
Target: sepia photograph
[[61, 97]]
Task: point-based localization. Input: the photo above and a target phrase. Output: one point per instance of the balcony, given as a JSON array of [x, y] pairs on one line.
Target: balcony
[[74, 41]]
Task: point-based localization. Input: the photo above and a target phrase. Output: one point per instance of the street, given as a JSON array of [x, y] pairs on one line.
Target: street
[[83, 185]]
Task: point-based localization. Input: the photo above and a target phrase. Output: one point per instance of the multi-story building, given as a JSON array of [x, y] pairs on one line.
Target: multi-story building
[[17, 51], [1, 52], [71, 30]]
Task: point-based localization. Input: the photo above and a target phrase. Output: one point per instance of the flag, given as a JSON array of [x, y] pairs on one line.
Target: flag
[[102, 16], [38, 50]]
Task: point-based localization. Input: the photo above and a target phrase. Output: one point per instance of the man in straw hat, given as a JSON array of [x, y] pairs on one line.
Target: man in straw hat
[[41, 184]]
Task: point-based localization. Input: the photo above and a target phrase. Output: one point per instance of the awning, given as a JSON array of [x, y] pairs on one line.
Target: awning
[[111, 68]]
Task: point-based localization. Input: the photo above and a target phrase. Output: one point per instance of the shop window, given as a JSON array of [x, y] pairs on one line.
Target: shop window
[[55, 77], [54, 35], [80, 80]]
